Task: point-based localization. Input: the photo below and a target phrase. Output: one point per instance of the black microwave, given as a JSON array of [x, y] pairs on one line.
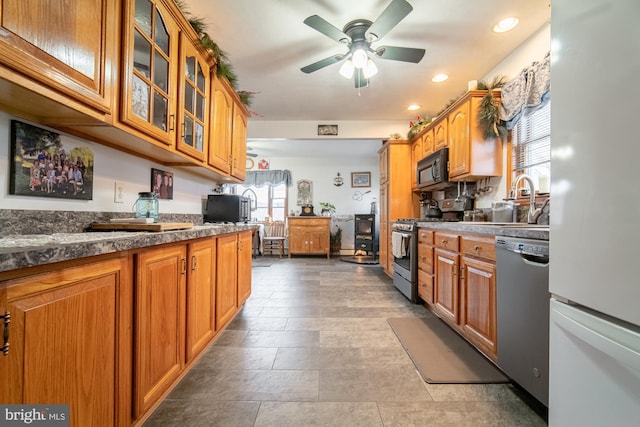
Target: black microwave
[[433, 171], [227, 208]]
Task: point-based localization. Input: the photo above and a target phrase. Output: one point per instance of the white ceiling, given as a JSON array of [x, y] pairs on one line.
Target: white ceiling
[[267, 43]]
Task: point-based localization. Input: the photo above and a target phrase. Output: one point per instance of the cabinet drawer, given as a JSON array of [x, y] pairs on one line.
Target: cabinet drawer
[[308, 222], [425, 258], [479, 246], [447, 241], [425, 286], [425, 236]]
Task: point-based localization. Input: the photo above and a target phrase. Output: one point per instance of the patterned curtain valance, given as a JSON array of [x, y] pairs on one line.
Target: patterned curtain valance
[[527, 92], [269, 177]]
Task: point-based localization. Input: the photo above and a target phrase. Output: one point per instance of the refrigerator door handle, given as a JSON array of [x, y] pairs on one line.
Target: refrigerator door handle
[[610, 338]]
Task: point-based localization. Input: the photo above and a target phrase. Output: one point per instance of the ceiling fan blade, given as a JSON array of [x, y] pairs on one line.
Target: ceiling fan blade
[[321, 25], [322, 63], [359, 79], [406, 54], [252, 155], [390, 17]]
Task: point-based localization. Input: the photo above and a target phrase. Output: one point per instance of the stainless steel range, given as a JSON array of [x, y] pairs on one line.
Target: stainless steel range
[[404, 246]]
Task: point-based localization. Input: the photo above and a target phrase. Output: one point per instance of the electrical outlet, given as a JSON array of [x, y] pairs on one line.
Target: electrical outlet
[[118, 192]]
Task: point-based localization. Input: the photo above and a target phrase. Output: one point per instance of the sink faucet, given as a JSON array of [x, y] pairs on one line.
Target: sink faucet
[[533, 214]]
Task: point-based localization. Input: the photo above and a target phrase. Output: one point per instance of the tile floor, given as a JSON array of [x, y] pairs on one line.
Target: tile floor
[[312, 347]]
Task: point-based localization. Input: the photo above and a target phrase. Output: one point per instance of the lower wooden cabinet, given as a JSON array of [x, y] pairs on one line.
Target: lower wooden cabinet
[[245, 241], [159, 320], [70, 341], [478, 315], [226, 279], [112, 336], [464, 286], [201, 296], [309, 235]]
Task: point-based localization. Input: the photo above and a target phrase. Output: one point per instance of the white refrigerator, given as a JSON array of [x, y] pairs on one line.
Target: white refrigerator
[[594, 276]]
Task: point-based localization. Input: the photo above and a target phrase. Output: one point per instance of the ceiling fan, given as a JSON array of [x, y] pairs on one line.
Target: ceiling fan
[[358, 35], [251, 154]]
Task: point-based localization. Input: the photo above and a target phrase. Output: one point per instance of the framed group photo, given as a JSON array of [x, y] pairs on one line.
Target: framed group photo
[[47, 164]]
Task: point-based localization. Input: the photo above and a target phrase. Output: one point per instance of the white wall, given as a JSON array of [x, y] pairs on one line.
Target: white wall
[[321, 171], [110, 166]]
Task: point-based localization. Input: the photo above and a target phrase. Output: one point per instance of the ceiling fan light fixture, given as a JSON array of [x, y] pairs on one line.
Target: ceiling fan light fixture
[[359, 58], [347, 69], [370, 69]]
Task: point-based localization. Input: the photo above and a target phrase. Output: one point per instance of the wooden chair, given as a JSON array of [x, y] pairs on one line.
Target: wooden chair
[[274, 237]]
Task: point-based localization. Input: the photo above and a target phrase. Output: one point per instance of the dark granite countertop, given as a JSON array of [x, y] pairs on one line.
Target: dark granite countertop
[[20, 251], [526, 231]]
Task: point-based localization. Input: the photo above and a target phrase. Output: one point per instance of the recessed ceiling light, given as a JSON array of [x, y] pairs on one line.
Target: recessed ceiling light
[[439, 78], [506, 24], [413, 107]]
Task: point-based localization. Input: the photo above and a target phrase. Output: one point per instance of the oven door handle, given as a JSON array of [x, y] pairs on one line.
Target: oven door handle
[[405, 235]]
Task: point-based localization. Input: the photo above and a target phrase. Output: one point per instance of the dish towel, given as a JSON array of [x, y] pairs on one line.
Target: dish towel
[[399, 243]]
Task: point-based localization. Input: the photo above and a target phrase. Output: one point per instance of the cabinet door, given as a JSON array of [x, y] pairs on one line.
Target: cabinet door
[[226, 279], [318, 240], [69, 47], [445, 293], [425, 286], [160, 323], [416, 156], [239, 143], [70, 341], [150, 69], [244, 266], [221, 119], [440, 135], [297, 240], [427, 143], [478, 304], [384, 165], [194, 102], [201, 289], [459, 140]]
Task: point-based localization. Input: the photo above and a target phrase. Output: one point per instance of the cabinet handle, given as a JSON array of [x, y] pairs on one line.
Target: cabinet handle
[[444, 242], [7, 319], [194, 260], [184, 266], [476, 248], [172, 122]]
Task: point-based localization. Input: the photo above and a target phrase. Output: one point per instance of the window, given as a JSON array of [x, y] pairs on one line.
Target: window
[[531, 152], [271, 201]]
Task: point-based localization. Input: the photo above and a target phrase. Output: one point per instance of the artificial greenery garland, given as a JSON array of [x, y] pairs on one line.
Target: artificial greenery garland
[[223, 66], [489, 110]]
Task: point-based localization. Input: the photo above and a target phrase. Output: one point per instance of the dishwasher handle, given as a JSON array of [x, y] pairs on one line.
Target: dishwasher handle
[[535, 260]]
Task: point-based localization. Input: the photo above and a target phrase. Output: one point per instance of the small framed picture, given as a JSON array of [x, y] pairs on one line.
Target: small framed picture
[[360, 179], [327, 129], [162, 184]]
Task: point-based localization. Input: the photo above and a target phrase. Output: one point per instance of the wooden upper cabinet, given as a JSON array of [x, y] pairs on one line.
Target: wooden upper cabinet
[[458, 135], [416, 156], [150, 69], [228, 141], [72, 48], [471, 156], [427, 143], [440, 134], [193, 123], [239, 142], [221, 120]]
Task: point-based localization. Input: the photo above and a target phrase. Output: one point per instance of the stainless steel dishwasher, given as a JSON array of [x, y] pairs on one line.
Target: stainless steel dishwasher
[[522, 287]]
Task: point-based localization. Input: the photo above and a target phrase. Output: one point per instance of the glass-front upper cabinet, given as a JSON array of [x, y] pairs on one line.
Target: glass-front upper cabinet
[[194, 105], [149, 88]]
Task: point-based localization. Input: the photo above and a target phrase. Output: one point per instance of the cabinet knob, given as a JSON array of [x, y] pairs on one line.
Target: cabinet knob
[[476, 248]]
